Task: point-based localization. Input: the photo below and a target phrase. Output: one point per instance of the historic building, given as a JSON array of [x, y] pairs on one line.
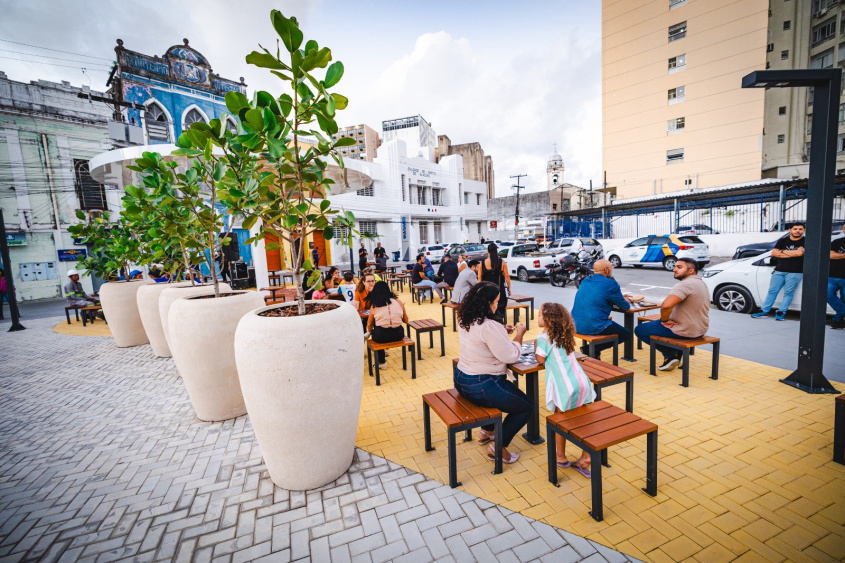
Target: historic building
[[477, 166], [175, 90]]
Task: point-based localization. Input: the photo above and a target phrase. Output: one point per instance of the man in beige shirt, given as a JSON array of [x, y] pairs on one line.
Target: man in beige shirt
[[685, 313]]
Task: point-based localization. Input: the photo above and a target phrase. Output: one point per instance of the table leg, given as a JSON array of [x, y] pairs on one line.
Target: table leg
[[628, 355], [532, 389]]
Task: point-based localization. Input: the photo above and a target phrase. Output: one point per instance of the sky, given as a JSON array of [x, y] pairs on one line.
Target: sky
[[515, 77]]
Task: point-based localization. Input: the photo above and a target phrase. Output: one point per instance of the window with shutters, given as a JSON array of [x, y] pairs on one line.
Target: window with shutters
[[677, 31], [367, 192], [674, 155], [403, 187], [677, 63], [423, 232], [91, 194], [676, 4], [675, 125], [366, 226], [158, 127], [193, 116], [677, 95], [438, 232]]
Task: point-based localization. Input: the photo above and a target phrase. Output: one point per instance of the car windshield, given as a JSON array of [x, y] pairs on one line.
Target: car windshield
[[475, 248], [589, 241], [691, 239], [435, 248]]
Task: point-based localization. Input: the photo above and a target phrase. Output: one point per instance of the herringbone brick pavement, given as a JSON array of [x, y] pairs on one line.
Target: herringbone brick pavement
[[102, 459]]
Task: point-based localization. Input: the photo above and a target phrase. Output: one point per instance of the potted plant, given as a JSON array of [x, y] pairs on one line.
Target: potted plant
[[114, 248], [295, 360]]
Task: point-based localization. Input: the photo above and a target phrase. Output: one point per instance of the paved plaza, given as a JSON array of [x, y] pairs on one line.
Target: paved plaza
[[102, 458]]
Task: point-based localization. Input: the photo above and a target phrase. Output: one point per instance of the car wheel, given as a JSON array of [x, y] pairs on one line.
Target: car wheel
[[669, 263], [733, 299], [615, 261], [522, 275]]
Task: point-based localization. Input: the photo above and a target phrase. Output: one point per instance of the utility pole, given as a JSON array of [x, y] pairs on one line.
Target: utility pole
[[517, 187]]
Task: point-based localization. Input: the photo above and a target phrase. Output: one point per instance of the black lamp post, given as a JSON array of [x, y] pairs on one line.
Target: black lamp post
[[820, 194]]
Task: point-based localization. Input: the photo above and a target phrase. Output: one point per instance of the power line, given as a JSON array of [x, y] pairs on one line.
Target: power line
[[49, 57], [55, 50], [54, 64]]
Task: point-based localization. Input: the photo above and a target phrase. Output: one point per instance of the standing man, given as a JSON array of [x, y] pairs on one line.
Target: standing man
[[315, 257], [362, 257], [378, 251], [788, 272], [75, 293], [466, 279], [836, 281], [685, 313], [594, 300], [419, 277]]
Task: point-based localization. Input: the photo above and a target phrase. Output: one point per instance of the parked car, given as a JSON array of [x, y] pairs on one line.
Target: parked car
[[657, 250], [505, 243], [470, 251], [696, 230], [754, 249], [434, 252], [740, 286], [574, 245], [837, 227], [526, 261]]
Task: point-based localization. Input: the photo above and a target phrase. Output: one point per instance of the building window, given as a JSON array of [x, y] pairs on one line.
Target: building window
[[809, 124], [403, 187], [421, 195], [370, 227], [782, 110], [677, 95], [823, 31], [675, 125], [366, 192], [554, 207], [232, 126], [821, 6], [423, 232], [677, 63], [810, 93], [158, 128], [477, 199], [674, 155], [840, 143], [784, 55], [841, 51], [466, 198], [676, 4], [677, 31], [566, 205], [781, 138], [822, 60], [438, 232], [807, 150], [787, 25], [193, 116], [436, 196], [841, 115], [340, 234], [91, 194], [770, 47]]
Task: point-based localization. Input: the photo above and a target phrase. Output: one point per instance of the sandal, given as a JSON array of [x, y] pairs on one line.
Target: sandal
[[484, 438], [564, 464], [514, 456], [585, 471]]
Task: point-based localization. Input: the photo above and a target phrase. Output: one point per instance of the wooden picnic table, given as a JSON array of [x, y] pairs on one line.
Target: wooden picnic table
[[523, 299], [628, 351], [273, 290], [603, 374]]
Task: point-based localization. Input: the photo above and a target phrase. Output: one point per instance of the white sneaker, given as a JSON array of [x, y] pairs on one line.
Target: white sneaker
[[669, 364]]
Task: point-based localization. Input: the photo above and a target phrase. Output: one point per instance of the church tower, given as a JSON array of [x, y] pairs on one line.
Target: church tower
[[554, 171]]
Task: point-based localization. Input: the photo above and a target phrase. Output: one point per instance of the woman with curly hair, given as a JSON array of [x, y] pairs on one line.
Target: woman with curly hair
[[567, 386], [485, 352]]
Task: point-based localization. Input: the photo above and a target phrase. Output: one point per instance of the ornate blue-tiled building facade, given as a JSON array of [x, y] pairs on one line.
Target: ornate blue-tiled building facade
[[175, 90]]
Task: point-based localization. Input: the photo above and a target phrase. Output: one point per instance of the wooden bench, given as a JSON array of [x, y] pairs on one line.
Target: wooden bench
[[839, 431], [645, 319], [591, 340], [515, 307], [75, 309], [418, 293], [594, 428], [404, 343], [524, 299], [89, 314], [459, 415], [685, 345], [454, 307], [447, 292], [603, 375], [430, 326], [274, 278]]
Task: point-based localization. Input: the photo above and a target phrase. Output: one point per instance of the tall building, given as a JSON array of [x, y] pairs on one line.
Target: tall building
[[415, 131], [477, 166], [367, 142], [674, 115]]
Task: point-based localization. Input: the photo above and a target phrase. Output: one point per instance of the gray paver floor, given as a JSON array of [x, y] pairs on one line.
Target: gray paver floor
[[102, 459]]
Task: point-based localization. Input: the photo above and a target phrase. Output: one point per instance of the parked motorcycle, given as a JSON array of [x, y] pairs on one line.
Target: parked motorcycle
[[572, 269]]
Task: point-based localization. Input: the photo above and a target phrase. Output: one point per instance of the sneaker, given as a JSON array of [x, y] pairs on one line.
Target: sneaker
[[780, 316], [670, 364], [760, 315]]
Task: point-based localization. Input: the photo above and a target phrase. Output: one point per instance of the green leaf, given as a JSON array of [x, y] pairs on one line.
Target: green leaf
[[264, 60], [307, 265], [345, 142], [235, 101], [311, 45], [302, 208], [328, 233], [333, 74], [80, 215], [276, 147], [269, 119], [249, 222], [287, 30], [255, 119], [340, 102], [325, 204]]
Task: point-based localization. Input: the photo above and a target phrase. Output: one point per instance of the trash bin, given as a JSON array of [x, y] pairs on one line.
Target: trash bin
[[396, 256]]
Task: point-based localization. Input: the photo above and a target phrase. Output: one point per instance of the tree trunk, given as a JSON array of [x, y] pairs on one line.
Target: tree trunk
[[187, 263], [212, 264]]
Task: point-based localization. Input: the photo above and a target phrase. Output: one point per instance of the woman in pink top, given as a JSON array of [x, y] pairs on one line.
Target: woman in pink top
[[387, 314], [486, 352]]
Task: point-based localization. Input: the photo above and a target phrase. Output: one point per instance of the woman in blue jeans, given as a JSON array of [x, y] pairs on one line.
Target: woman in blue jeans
[[485, 352]]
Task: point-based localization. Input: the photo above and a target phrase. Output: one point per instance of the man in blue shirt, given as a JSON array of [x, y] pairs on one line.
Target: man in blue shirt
[[593, 303]]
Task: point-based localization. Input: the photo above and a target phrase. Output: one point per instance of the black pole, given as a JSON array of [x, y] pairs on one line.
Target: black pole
[[10, 282]]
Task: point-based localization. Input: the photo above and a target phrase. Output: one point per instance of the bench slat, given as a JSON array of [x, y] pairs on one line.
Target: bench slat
[[586, 419], [687, 343], [387, 345], [485, 412], [446, 414], [465, 416], [619, 435], [840, 398], [559, 417], [595, 337], [620, 420]]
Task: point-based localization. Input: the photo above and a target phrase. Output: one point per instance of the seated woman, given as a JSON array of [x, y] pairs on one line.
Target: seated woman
[[567, 386], [362, 292], [387, 313], [485, 352], [331, 280]]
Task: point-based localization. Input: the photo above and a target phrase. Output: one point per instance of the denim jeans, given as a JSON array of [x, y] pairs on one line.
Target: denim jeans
[[655, 328], [495, 391], [431, 284], [836, 297], [613, 328], [781, 280]]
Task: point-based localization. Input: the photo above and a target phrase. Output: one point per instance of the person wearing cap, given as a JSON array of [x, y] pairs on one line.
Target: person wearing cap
[[75, 293]]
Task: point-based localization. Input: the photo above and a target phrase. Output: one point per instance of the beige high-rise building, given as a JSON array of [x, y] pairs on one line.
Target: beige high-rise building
[[477, 166], [674, 114], [367, 142]]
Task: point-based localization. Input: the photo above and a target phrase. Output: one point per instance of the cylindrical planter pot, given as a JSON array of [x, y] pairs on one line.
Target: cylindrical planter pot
[[151, 318], [302, 380], [171, 294], [202, 340], [120, 306]]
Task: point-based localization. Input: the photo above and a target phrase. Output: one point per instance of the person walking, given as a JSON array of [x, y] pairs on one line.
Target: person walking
[[495, 271], [362, 257], [3, 290], [835, 282], [788, 273]]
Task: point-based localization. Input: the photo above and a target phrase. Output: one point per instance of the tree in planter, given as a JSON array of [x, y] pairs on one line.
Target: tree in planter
[[288, 193], [114, 246]]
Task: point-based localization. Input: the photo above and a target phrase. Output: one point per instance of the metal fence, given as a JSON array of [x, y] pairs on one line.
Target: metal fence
[[770, 210]]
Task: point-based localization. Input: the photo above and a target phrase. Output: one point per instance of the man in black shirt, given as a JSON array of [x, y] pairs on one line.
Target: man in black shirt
[[362, 257], [789, 252], [836, 281], [420, 281], [378, 251], [448, 272]]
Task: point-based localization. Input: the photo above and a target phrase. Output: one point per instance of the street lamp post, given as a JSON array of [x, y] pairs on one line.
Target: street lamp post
[[820, 194]]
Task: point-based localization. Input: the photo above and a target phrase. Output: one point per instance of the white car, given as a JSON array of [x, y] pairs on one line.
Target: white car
[[660, 250], [434, 252], [740, 286]]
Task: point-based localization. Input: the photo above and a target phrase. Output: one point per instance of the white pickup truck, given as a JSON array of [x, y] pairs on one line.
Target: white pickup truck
[[526, 261]]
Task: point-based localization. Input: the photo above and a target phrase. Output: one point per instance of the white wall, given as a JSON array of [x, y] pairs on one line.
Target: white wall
[[720, 245]]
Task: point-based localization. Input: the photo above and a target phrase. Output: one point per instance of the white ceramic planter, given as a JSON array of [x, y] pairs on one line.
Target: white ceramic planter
[[202, 335], [120, 306], [302, 379], [151, 318], [171, 294]]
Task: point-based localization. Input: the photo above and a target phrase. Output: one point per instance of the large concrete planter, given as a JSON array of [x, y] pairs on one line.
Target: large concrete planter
[[202, 335], [302, 379], [151, 318], [171, 294], [120, 306]]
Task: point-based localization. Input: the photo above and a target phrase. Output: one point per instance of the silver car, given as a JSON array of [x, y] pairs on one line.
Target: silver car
[[574, 245]]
